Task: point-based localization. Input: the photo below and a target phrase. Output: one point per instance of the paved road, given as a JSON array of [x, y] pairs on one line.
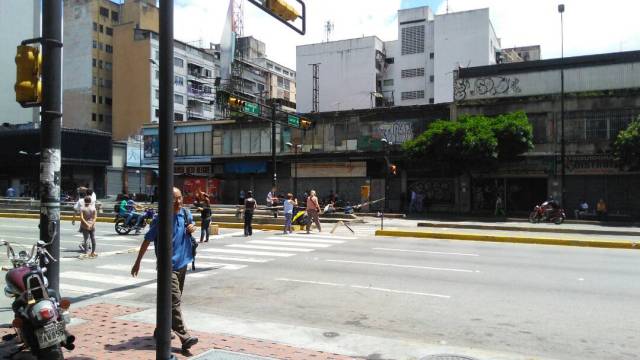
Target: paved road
[[384, 298]]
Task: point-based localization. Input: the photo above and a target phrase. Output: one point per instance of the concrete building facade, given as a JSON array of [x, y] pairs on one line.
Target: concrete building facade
[[88, 63], [20, 21], [415, 69]]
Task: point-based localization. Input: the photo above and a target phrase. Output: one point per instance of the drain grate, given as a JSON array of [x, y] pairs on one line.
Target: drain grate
[[228, 355], [447, 357]]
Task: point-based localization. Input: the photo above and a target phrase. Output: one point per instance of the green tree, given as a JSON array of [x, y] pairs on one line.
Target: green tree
[[626, 147], [473, 143]]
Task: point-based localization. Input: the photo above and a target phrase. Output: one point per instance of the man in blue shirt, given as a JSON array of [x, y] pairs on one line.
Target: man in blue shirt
[[183, 226]]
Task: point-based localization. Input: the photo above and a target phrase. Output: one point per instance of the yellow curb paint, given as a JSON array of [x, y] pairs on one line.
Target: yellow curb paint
[[510, 239]]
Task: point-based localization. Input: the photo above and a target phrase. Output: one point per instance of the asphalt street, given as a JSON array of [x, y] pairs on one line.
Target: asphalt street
[[378, 297]]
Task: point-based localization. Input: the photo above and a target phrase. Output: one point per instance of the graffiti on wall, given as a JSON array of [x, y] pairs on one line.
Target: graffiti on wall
[[396, 132], [434, 191], [486, 87]]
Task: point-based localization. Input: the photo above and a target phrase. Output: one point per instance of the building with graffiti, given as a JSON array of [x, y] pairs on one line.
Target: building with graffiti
[[601, 97]]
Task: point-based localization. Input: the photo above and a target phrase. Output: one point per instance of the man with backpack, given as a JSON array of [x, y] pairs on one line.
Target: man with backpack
[[182, 245]]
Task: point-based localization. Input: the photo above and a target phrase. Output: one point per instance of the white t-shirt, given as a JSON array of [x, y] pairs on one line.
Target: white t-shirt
[[78, 205], [93, 199]]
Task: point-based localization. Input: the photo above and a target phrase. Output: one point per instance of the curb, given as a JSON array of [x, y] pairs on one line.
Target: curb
[[610, 244], [528, 228]]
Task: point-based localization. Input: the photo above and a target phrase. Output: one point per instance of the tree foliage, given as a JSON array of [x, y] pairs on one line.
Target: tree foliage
[[473, 143], [626, 147]]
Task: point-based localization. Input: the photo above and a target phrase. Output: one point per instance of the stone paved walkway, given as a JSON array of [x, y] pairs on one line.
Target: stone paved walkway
[[103, 336]]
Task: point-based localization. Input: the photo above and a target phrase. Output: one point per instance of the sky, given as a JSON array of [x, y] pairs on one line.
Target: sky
[[590, 26]]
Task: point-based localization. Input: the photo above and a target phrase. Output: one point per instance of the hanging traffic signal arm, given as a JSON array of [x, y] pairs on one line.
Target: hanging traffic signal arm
[[284, 12]]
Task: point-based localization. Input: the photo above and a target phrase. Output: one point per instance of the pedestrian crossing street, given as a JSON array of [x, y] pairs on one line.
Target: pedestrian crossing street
[[113, 280]]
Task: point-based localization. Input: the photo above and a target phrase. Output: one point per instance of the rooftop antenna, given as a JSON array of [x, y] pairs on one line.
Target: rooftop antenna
[[238, 17], [328, 28], [447, 6]]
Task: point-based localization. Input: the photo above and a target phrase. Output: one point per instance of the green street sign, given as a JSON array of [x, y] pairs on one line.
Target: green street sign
[[293, 120], [251, 108]]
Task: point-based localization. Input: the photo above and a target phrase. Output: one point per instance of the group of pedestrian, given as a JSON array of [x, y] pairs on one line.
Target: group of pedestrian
[[85, 207], [583, 209]]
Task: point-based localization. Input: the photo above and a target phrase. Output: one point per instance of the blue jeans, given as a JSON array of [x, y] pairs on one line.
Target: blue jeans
[[138, 217], [287, 222]]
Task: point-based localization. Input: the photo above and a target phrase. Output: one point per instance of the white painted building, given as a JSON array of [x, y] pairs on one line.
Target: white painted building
[[416, 69], [20, 21]]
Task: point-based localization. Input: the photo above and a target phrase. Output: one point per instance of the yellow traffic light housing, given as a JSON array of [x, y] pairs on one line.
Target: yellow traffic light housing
[[282, 9], [305, 124], [235, 103], [28, 86]]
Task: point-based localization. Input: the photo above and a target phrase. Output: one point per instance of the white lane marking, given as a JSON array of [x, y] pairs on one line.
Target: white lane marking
[[248, 252], [426, 252], [90, 290], [149, 261], [403, 266], [223, 266], [99, 278], [232, 258], [320, 236], [580, 279], [228, 235], [126, 269], [289, 243], [404, 292], [303, 239], [275, 248], [199, 275]]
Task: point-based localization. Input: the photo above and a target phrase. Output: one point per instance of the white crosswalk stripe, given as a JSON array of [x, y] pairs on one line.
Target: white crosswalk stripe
[[233, 258], [248, 252], [289, 243], [126, 269], [276, 248], [100, 278], [84, 290], [305, 239], [200, 265]]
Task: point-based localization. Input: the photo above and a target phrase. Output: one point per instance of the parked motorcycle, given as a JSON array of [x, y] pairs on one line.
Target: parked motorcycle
[[122, 228], [40, 315], [541, 214]]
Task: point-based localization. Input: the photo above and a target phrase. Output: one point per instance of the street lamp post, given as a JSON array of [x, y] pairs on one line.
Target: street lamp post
[[386, 145], [562, 140], [295, 164]]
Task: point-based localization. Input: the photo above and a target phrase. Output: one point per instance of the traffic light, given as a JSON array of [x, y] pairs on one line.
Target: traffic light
[[305, 124], [235, 103], [393, 169], [28, 86], [282, 9]]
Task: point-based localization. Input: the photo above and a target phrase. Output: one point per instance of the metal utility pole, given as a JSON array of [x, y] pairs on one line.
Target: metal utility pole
[[165, 204], [316, 86], [50, 136], [273, 145], [562, 142]]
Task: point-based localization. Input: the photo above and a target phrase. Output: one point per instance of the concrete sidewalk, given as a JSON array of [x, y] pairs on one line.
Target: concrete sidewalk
[[102, 332], [619, 242]]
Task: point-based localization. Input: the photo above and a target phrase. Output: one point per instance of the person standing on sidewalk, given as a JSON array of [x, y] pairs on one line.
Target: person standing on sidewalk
[[288, 212], [250, 205], [182, 255], [88, 216], [313, 210], [272, 201], [205, 219]]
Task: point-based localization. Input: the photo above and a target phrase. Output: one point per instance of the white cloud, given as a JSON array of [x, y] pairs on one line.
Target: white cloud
[[590, 26], [204, 19]]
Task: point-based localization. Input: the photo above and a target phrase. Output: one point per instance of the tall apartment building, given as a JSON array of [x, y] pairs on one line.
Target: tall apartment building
[[88, 63], [20, 21], [416, 69], [136, 81]]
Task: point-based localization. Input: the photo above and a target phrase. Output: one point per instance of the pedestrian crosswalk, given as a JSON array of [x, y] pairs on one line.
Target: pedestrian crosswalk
[[113, 280]]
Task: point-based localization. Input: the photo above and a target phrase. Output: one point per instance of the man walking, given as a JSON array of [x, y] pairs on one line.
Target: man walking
[[250, 205], [313, 210], [205, 219], [182, 255]]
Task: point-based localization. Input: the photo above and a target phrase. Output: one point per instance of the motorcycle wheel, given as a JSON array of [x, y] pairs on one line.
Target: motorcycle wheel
[[558, 220], [533, 217], [50, 353], [121, 228]]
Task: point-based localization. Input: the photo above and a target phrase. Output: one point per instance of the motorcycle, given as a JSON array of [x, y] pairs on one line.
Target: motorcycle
[[40, 315], [123, 228], [540, 214]]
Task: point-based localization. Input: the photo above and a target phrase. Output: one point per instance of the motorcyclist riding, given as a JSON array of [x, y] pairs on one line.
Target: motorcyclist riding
[[550, 206]]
